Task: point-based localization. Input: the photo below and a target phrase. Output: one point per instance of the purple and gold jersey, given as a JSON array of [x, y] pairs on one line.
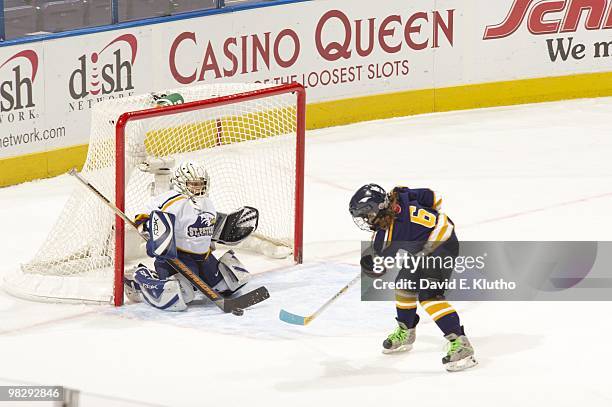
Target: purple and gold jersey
[[418, 220]]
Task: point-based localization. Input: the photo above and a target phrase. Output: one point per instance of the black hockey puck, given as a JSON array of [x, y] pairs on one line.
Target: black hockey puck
[[238, 311]]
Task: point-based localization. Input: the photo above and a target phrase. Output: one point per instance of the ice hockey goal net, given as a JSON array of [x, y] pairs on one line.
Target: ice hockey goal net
[[249, 137]]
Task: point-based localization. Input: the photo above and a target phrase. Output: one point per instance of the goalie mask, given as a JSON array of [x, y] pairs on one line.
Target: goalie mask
[[191, 180], [367, 204]]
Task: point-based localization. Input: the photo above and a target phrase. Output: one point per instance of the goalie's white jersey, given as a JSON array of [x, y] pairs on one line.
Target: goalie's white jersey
[[193, 226]]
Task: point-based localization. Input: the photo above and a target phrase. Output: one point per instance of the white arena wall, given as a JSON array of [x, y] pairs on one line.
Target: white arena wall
[[359, 61]]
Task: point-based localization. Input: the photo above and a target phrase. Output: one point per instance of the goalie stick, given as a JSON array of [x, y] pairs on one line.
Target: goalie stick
[[295, 319], [225, 304]]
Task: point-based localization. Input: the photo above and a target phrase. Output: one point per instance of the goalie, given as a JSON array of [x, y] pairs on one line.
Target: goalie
[[183, 223]]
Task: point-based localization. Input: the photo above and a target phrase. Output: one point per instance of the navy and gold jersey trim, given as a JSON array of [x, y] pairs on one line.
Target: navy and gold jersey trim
[[141, 218], [168, 202], [389, 234], [443, 230], [437, 201]]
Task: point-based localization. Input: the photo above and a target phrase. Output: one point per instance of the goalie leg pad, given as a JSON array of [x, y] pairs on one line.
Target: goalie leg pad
[[234, 274], [187, 289], [164, 294], [132, 288]]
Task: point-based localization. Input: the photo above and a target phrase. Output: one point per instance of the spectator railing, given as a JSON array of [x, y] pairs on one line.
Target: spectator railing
[[23, 18], [2, 31]]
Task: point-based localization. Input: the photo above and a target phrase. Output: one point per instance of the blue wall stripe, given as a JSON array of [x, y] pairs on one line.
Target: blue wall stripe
[[148, 21]]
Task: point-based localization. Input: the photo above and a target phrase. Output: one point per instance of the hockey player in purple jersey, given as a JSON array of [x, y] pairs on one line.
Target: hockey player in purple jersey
[[411, 220]]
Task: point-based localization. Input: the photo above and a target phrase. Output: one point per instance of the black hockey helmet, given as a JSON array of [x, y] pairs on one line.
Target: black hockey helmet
[[366, 205]]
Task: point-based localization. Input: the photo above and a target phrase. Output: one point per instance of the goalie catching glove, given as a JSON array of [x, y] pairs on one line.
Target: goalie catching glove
[[233, 228]]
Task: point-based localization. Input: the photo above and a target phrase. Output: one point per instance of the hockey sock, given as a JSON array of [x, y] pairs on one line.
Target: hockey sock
[[444, 315], [405, 304]]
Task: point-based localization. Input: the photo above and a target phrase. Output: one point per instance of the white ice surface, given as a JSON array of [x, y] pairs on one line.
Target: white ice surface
[[538, 172]]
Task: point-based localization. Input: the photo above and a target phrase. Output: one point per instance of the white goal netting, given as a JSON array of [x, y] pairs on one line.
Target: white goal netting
[[247, 147]]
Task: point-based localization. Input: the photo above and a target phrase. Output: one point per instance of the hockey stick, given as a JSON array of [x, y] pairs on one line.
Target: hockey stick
[[294, 319], [226, 304]]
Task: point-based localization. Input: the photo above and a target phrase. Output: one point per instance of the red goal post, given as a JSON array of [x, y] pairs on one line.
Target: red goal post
[[120, 152]]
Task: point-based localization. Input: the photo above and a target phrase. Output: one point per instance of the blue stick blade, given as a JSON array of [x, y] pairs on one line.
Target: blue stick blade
[[290, 318]]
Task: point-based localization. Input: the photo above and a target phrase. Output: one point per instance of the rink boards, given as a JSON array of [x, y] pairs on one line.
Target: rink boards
[[358, 62]]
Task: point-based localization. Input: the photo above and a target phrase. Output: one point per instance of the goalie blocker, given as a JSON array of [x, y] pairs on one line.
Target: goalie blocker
[[166, 290]]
